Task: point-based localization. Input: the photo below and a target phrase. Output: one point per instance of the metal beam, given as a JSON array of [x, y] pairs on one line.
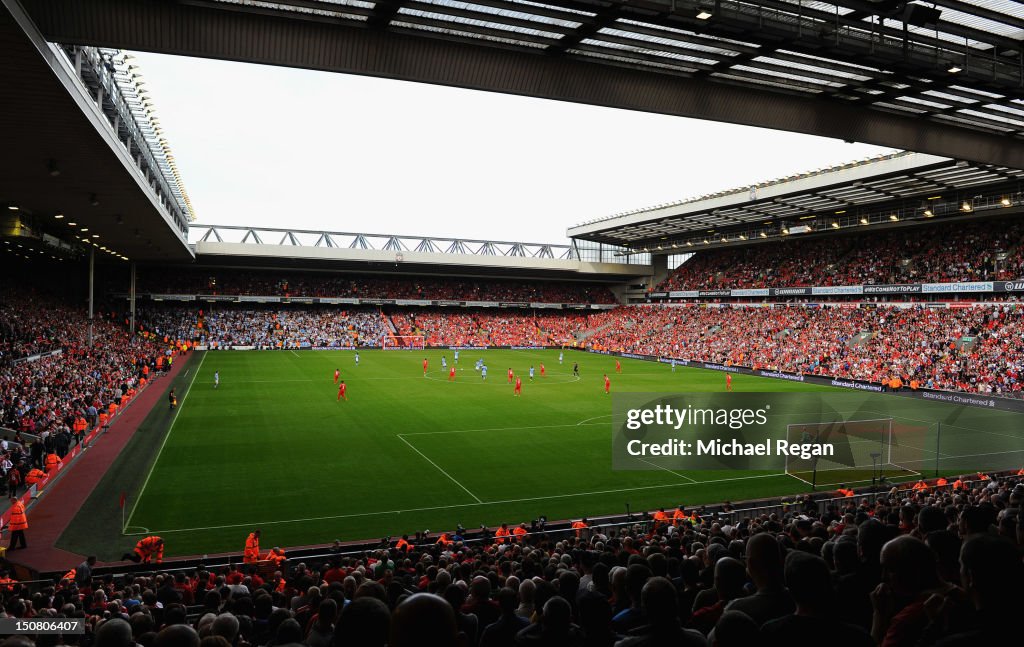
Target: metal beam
[[253, 37]]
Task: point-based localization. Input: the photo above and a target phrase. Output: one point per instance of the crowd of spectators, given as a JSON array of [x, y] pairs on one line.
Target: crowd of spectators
[[490, 328], [975, 348], [55, 385], [915, 566], [40, 393], [323, 284], [982, 251], [979, 348], [289, 328]]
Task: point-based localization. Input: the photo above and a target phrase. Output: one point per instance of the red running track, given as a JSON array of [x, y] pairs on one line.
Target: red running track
[[51, 514]]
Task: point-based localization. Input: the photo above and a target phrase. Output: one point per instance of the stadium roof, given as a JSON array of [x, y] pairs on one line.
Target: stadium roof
[[894, 188], [397, 254], [65, 159], [946, 79]]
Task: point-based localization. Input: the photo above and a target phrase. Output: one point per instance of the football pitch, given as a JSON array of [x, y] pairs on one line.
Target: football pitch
[[273, 447]]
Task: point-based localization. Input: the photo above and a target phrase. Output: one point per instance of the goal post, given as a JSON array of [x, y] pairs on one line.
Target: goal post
[[403, 342], [864, 450]]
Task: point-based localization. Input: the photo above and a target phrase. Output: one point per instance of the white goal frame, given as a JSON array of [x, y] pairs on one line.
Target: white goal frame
[[886, 453], [416, 342]]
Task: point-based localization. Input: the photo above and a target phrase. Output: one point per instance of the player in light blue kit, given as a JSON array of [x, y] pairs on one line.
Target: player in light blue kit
[[483, 371], [357, 358], [216, 379], [531, 374], [456, 355], [673, 364], [444, 362], [561, 356]]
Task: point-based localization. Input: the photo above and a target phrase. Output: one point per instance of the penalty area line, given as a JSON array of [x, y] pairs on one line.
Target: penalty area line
[[682, 476], [438, 467]]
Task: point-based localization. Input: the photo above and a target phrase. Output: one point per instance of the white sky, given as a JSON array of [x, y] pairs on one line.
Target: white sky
[[279, 147]]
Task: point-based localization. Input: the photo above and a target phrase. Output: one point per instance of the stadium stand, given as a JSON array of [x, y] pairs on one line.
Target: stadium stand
[[311, 284], [978, 348], [946, 253], [933, 564], [975, 348], [45, 393]]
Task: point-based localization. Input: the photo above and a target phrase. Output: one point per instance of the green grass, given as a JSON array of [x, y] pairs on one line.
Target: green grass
[[273, 448]]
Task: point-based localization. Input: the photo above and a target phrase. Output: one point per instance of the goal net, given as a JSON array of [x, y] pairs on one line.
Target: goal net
[[403, 342], [863, 451]]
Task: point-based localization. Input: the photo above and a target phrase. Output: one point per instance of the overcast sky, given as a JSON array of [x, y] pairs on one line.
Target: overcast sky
[[269, 146]]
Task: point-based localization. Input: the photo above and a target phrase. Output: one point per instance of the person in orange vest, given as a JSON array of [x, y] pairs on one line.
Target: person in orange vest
[[53, 462], [920, 486], [79, 425], [443, 540], [984, 477], [958, 484], [6, 583], [580, 526], [147, 549], [678, 515], [276, 556], [403, 544], [844, 491], [941, 482], [501, 533], [68, 577], [104, 418], [34, 476], [251, 555], [520, 532], [660, 519], [17, 524]]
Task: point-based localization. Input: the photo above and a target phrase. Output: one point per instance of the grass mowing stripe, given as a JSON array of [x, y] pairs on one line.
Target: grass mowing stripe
[[156, 460], [276, 420], [470, 505], [450, 477]]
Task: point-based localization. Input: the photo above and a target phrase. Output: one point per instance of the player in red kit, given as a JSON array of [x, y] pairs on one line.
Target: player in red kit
[[510, 376], [618, 366], [337, 374], [543, 373], [341, 391], [607, 384], [728, 381], [424, 367], [451, 373], [519, 387]]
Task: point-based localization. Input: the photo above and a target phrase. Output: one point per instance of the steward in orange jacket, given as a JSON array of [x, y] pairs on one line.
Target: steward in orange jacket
[[275, 556], [580, 526], [34, 476], [53, 461], [251, 555], [520, 532], [17, 524], [6, 583], [150, 548], [501, 533]]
